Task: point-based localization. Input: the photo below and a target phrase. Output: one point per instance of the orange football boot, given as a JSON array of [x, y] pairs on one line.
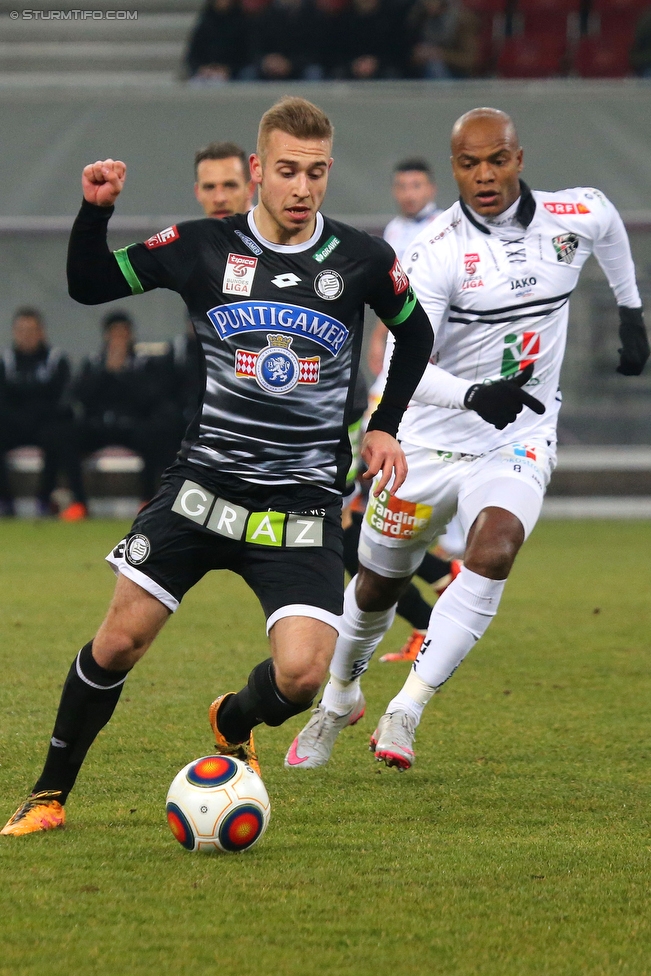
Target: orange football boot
[[409, 650], [239, 750], [76, 512], [41, 811]]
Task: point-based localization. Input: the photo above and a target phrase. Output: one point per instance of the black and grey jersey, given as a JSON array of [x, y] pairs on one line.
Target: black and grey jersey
[[281, 333]]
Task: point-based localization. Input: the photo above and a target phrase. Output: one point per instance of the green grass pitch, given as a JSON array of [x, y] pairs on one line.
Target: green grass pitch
[[519, 844]]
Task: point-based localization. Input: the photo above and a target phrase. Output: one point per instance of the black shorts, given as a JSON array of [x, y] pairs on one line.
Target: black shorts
[[292, 560]]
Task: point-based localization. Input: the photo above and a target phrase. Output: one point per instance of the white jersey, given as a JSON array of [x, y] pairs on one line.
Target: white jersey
[[400, 231], [497, 296]]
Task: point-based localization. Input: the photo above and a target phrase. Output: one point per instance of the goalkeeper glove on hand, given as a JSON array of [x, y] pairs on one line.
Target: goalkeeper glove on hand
[[635, 343], [500, 403]]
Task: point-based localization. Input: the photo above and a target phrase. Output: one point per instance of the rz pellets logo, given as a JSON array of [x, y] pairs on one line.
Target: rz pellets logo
[[519, 352]]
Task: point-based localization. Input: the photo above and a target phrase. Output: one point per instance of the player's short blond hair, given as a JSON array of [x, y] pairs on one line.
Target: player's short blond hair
[[297, 117]]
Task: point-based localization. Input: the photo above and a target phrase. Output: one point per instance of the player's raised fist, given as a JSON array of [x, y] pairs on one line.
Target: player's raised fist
[[102, 181]]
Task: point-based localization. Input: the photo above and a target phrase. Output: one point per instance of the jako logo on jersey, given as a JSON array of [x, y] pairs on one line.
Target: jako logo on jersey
[[327, 249], [521, 450], [252, 246], [242, 317], [567, 208], [519, 352], [471, 261], [399, 279], [277, 369], [285, 280], [239, 274], [396, 517], [566, 246], [162, 237], [523, 286]]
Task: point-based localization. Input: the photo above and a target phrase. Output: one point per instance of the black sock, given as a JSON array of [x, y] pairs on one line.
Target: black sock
[[88, 700], [432, 568], [414, 608], [259, 702]]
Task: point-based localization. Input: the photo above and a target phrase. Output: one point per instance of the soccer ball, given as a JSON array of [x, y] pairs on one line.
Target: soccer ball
[[217, 803]]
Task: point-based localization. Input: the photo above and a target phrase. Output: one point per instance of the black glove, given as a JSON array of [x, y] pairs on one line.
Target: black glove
[[500, 403], [635, 344]]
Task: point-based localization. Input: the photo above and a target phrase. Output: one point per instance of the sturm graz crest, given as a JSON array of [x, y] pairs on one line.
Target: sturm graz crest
[[566, 246], [277, 368]]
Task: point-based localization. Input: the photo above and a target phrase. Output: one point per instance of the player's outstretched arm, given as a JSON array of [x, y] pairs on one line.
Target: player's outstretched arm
[[94, 275]]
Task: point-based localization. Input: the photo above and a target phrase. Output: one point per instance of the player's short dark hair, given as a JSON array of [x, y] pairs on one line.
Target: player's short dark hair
[[296, 117], [28, 312], [117, 316], [415, 164], [222, 150]]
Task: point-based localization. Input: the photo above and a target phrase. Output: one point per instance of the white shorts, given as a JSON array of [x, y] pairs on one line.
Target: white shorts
[[396, 532]]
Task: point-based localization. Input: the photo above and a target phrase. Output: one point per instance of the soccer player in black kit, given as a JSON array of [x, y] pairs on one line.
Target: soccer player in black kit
[[276, 297]]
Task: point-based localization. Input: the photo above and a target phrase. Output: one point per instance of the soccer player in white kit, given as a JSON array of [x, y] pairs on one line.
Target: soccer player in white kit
[[495, 273]]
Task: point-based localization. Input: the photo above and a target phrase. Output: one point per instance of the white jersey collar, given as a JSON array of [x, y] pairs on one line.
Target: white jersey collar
[[525, 208], [286, 248]]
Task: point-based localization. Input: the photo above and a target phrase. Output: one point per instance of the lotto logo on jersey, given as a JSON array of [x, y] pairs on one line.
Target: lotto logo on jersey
[[471, 261], [567, 208], [399, 279], [396, 517], [519, 352], [239, 274], [163, 237]]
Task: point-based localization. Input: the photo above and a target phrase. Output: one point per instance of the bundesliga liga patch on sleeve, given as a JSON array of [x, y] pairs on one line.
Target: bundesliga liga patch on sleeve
[[162, 237]]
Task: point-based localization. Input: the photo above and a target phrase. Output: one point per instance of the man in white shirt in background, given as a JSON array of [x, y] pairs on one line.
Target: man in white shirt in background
[[414, 190], [494, 273]]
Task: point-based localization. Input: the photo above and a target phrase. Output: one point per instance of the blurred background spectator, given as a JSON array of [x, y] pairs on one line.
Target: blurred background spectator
[[277, 40], [285, 44], [373, 40], [34, 380], [641, 50], [219, 44], [186, 364], [444, 40], [128, 400]]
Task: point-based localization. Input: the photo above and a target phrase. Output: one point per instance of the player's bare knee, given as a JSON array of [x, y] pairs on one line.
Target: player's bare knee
[[493, 559], [117, 649], [374, 593], [301, 686]]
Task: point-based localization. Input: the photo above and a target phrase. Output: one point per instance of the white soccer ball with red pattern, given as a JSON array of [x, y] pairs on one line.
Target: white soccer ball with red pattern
[[217, 803]]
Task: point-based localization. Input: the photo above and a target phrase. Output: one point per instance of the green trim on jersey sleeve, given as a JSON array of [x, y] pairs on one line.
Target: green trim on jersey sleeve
[[126, 268], [407, 309]]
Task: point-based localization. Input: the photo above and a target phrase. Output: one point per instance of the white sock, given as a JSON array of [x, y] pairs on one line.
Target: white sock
[[360, 632], [340, 696], [460, 617], [412, 697]]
